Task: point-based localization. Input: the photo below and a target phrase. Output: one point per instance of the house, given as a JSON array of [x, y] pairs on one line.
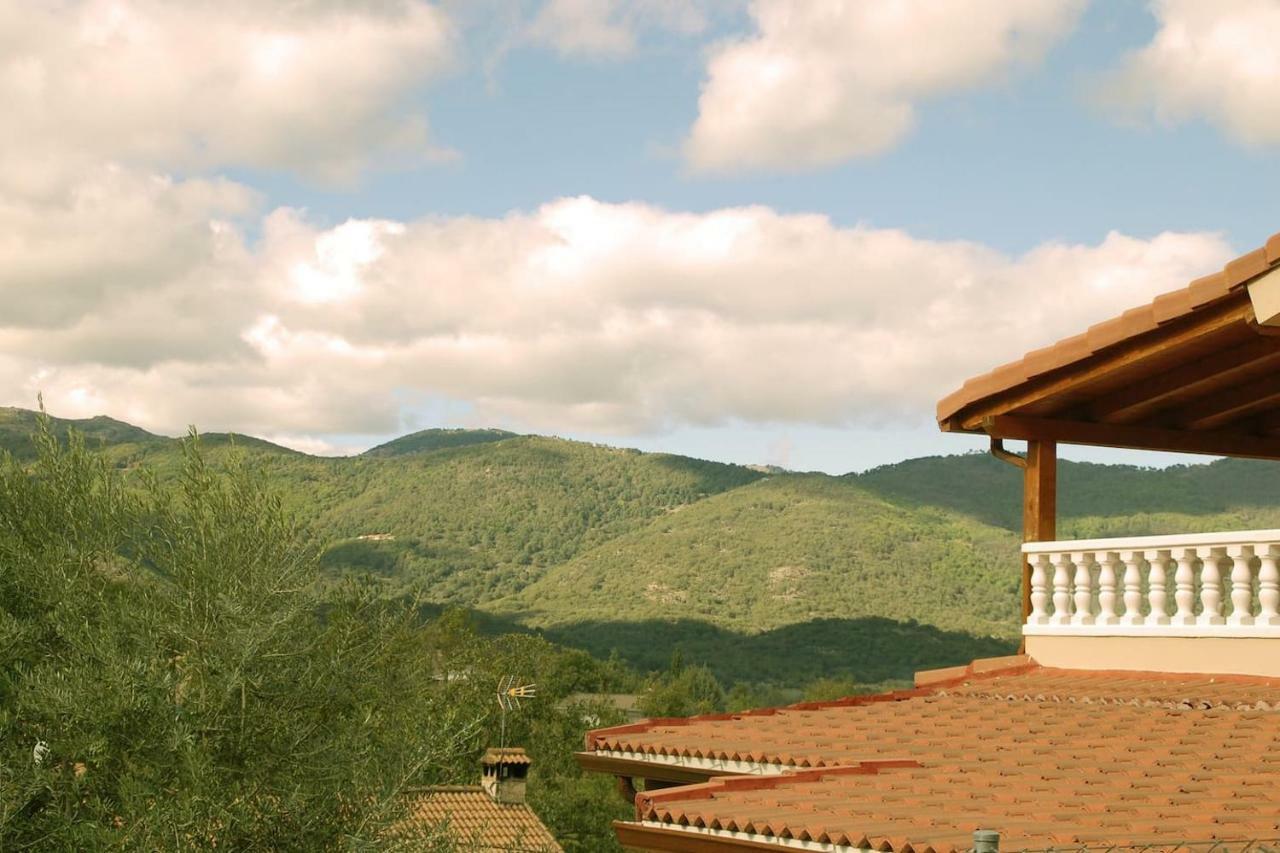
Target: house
[[491, 817], [1144, 711]]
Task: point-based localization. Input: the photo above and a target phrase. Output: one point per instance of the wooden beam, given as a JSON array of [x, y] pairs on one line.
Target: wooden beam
[[1039, 505], [1212, 442], [1204, 323], [1230, 404], [1268, 423], [1191, 380]]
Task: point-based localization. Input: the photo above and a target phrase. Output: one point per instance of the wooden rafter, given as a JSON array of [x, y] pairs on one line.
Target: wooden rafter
[[1230, 404], [1217, 370], [1211, 442], [1267, 424]]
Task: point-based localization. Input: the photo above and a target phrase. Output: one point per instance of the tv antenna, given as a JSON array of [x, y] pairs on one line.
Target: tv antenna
[[510, 692]]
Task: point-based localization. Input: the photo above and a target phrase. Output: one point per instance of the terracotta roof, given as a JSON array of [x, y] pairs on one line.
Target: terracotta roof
[[476, 820], [1218, 301], [1047, 757], [508, 755]]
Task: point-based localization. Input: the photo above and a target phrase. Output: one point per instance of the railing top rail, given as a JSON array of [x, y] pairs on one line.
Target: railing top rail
[[1175, 540]]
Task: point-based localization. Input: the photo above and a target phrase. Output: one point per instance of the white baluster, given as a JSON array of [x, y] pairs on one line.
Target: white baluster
[[1268, 585], [1132, 587], [1107, 589], [1156, 595], [1185, 579], [1241, 585], [1061, 589], [1211, 588], [1039, 589], [1084, 589]]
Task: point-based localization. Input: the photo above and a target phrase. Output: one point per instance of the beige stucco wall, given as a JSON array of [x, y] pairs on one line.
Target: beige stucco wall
[[1227, 655]]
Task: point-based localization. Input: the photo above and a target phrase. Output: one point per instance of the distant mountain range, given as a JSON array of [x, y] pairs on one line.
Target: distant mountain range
[[768, 576]]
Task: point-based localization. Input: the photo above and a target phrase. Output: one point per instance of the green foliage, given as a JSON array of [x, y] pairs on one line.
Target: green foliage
[[166, 683], [682, 691], [784, 551], [1136, 500], [772, 580], [865, 650], [828, 689]]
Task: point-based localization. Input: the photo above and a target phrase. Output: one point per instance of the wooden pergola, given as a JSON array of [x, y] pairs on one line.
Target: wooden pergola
[[1195, 371]]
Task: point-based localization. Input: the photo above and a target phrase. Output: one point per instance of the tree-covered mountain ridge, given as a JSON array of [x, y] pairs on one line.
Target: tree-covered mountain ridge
[[614, 549]]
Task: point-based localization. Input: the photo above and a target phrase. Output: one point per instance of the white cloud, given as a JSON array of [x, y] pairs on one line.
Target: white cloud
[[578, 315], [610, 28], [825, 81], [1219, 61], [316, 88]]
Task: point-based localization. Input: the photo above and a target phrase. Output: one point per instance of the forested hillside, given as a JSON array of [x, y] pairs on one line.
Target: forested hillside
[[789, 550], [767, 577], [1093, 500]]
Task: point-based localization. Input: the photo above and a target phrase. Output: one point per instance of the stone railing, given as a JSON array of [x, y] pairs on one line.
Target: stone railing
[[1192, 585]]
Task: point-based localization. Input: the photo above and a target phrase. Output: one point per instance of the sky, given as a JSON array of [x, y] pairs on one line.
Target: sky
[[762, 232]]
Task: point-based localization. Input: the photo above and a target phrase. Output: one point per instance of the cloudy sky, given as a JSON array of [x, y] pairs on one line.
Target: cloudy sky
[[770, 231]]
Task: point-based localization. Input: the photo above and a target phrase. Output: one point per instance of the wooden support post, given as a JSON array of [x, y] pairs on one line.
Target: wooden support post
[[1039, 505]]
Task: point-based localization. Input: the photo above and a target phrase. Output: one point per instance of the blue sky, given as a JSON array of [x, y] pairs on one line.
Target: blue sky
[[796, 283]]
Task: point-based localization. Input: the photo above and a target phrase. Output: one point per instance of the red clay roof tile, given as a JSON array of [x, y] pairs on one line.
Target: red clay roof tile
[[476, 820], [1046, 756]]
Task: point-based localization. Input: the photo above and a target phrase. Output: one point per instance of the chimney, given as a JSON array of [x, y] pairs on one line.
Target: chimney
[[503, 772]]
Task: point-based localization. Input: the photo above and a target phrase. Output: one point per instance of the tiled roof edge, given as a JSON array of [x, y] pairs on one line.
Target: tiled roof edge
[[978, 668], [1139, 320], [646, 800]]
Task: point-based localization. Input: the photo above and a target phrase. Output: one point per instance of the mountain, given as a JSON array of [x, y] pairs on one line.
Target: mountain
[[766, 576], [437, 439], [18, 425]]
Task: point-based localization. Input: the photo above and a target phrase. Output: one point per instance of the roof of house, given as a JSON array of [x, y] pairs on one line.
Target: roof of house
[[505, 755], [475, 819], [1191, 370], [1046, 757]]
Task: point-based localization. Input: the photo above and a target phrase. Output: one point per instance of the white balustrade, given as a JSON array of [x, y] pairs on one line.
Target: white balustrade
[[1039, 589], [1130, 593], [1107, 589], [1083, 595]]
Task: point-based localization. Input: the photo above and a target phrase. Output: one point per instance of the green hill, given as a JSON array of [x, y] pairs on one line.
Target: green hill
[[470, 524], [437, 439], [789, 550], [1092, 499], [18, 425], [765, 576]]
